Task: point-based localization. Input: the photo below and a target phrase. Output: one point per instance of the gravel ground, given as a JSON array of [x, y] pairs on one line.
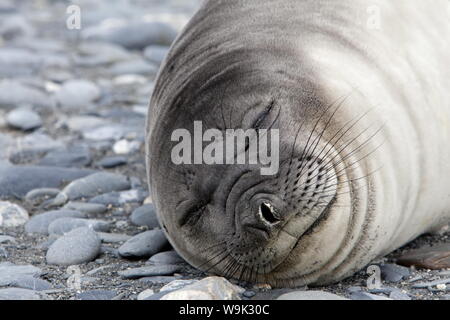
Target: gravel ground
[[73, 105]]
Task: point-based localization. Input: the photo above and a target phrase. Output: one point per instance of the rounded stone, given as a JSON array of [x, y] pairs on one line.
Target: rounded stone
[[12, 215], [76, 247]]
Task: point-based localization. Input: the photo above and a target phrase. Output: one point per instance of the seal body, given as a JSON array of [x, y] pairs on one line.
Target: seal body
[[360, 94]]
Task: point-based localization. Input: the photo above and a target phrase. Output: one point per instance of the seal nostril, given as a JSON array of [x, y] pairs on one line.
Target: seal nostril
[[267, 213]]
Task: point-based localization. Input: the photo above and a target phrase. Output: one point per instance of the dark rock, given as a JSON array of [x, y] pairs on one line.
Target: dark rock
[[434, 258]]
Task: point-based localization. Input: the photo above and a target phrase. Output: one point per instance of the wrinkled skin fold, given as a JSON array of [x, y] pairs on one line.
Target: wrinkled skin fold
[[364, 121]]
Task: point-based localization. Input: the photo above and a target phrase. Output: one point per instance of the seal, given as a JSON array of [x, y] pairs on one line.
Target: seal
[[360, 96]]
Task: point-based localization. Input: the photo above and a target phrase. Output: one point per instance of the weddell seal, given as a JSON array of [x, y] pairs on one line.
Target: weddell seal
[[359, 94]]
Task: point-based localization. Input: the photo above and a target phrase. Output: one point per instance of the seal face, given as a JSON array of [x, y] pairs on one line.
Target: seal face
[[347, 186]]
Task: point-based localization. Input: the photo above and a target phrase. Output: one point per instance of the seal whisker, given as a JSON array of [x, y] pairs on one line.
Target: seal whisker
[[319, 137]]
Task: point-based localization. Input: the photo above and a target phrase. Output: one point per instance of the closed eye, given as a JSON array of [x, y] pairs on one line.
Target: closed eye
[[193, 214]]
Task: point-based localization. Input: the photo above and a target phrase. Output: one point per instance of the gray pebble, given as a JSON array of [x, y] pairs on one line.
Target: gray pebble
[[10, 273], [97, 295], [120, 198], [21, 294], [13, 93], [133, 34], [156, 54], [310, 295], [12, 215], [89, 208], [158, 280], [144, 245], [33, 283], [361, 295], [399, 295], [145, 216], [76, 247], [430, 283], [160, 270], [394, 273], [7, 239], [65, 225], [73, 157], [41, 193], [93, 185], [168, 257], [112, 162], [12, 183], [77, 93], [24, 119], [137, 66], [39, 223]]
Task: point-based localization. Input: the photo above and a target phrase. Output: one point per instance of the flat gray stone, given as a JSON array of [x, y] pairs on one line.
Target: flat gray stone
[[150, 271], [21, 294], [428, 284], [76, 247], [144, 245], [394, 272], [97, 295], [73, 157], [158, 280], [10, 273], [13, 93], [64, 225], [132, 34], [92, 185], [12, 183], [167, 257], [361, 295], [89, 208], [7, 239], [112, 162], [310, 295], [33, 283], [39, 223], [117, 199]]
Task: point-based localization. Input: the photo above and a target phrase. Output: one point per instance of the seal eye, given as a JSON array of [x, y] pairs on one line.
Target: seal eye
[[267, 213]]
